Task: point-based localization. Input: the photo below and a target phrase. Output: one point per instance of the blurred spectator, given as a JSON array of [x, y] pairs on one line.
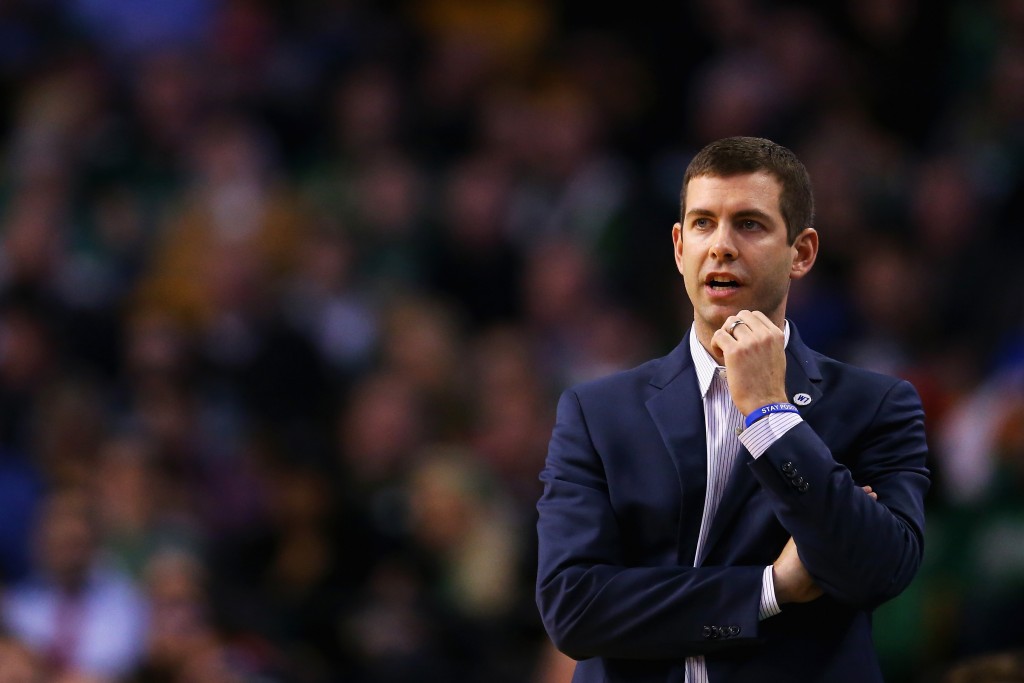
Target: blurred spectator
[[978, 441], [77, 613], [476, 263], [167, 98], [29, 357], [467, 46], [327, 303], [235, 206], [562, 296], [459, 519], [394, 632], [422, 343], [386, 196], [135, 518], [367, 114], [512, 417], [574, 187], [185, 642], [379, 432], [471, 540], [1003, 667], [179, 618]]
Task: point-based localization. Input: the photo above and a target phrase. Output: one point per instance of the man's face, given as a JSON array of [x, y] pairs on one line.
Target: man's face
[[732, 251], [67, 539]]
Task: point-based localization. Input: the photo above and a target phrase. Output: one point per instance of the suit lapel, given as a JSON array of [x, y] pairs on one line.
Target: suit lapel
[[678, 413], [802, 376]]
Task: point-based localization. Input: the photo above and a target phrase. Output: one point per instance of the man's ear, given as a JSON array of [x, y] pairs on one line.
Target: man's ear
[[805, 251], [677, 246]]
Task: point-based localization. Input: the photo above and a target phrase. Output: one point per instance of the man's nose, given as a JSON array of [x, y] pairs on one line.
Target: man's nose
[[723, 247]]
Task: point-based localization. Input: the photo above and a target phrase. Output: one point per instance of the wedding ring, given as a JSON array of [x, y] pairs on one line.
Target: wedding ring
[[733, 326]]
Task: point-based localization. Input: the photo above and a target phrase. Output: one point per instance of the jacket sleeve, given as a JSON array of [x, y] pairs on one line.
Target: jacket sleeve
[[591, 603], [860, 551]]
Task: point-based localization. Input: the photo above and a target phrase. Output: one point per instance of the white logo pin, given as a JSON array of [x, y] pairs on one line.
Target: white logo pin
[[802, 399]]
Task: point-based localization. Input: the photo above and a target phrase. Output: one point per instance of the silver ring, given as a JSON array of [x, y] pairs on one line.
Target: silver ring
[[733, 326]]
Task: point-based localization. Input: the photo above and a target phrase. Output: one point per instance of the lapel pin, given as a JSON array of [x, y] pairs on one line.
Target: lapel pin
[[802, 399]]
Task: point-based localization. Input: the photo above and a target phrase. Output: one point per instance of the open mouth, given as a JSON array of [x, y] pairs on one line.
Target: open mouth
[[721, 282]]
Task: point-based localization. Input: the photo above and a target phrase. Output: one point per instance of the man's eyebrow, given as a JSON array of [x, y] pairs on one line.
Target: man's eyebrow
[[752, 213], [742, 213]]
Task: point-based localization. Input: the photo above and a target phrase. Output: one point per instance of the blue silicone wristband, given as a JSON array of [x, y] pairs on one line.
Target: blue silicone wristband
[[765, 411]]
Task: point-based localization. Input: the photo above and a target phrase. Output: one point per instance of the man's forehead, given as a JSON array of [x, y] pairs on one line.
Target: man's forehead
[[755, 181], [759, 173]]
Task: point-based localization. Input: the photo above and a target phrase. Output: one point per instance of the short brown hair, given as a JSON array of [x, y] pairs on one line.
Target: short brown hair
[[741, 155]]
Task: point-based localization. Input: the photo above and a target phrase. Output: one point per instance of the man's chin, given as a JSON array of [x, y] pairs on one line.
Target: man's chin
[[711, 323], [717, 315]]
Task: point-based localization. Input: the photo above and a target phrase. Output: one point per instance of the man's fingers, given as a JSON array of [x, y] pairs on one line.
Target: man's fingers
[[721, 341], [755, 321], [763, 319], [867, 490], [793, 583], [748, 324], [790, 546], [733, 324]]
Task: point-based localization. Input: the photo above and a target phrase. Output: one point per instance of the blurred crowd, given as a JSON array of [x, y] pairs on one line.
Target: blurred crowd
[[288, 291]]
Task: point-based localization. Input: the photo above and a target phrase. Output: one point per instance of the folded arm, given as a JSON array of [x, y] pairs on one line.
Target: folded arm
[[591, 603], [860, 550]]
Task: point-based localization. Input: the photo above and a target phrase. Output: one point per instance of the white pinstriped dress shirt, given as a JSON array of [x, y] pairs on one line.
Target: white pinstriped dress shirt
[[723, 424]]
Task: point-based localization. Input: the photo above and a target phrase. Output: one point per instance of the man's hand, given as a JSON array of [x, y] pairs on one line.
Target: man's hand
[[754, 353], [792, 582]]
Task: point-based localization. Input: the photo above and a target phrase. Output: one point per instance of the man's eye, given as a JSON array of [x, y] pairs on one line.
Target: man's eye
[[702, 223], [750, 225]]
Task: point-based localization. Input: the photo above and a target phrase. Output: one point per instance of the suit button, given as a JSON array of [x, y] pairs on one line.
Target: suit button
[[787, 467], [802, 488], [799, 481]]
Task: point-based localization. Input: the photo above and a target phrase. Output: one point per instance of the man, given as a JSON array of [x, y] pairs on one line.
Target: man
[[80, 615], [735, 510]]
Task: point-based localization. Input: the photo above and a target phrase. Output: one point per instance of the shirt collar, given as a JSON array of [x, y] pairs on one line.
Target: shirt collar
[[705, 364]]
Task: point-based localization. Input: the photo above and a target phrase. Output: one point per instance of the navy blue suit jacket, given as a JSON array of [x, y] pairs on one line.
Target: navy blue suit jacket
[[624, 487]]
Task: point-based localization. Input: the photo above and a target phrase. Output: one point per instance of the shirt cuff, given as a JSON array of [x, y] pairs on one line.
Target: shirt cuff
[[769, 605], [762, 434]]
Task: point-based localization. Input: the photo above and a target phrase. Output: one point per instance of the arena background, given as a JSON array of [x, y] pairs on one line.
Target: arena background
[[288, 291]]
